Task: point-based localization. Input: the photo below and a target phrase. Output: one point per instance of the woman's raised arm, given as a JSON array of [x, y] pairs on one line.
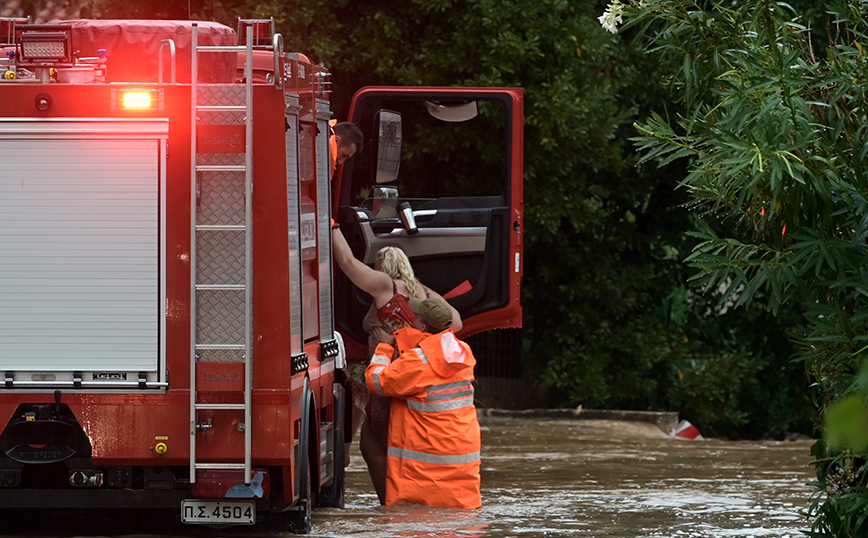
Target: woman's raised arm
[[376, 283]]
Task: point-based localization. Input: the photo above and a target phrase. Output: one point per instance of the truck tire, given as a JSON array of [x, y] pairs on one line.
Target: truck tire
[[300, 520], [297, 518]]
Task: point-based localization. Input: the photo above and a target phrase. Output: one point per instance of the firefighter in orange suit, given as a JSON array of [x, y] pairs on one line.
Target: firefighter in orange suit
[[434, 440]]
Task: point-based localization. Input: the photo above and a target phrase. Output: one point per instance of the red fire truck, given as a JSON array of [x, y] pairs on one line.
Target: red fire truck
[[170, 320]]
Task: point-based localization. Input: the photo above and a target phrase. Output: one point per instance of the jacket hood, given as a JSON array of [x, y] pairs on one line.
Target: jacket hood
[[409, 337], [446, 354]]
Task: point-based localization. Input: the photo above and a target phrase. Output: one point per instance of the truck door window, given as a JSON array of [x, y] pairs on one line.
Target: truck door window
[[440, 159]]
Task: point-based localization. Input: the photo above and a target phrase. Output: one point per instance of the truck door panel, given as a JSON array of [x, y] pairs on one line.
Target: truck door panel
[[463, 182]]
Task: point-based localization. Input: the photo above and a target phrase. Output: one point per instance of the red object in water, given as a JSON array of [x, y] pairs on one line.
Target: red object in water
[[686, 430]]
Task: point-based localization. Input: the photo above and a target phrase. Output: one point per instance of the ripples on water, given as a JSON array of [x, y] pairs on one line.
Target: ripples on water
[[592, 479]]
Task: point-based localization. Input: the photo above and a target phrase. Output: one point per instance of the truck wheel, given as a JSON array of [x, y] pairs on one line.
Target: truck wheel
[[297, 518], [300, 519]]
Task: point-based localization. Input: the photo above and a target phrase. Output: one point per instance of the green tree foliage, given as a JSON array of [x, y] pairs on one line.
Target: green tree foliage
[[215, 10], [775, 133], [604, 238]]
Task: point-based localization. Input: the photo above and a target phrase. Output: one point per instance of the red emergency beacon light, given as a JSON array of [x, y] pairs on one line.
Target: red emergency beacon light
[[138, 99]]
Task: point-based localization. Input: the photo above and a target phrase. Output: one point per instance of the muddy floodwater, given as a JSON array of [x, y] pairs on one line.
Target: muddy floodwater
[[590, 478], [594, 478]]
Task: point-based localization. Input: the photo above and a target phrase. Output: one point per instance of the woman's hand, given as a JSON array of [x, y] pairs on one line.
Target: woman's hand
[[382, 336]]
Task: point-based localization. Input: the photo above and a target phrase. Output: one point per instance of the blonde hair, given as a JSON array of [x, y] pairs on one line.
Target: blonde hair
[[395, 263]]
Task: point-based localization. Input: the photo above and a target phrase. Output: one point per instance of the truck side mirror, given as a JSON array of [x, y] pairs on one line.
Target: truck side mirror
[[387, 125], [384, 202]]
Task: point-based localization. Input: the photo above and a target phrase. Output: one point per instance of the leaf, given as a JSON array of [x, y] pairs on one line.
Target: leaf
[[846, 425]]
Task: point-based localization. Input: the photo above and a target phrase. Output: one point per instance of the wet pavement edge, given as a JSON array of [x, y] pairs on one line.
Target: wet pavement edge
[[665, 420]]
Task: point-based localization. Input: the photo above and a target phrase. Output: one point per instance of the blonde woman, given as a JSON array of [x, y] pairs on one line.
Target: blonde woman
[[391, 283]]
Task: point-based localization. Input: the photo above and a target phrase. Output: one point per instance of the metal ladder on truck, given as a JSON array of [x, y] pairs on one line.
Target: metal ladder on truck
[[221, 244]]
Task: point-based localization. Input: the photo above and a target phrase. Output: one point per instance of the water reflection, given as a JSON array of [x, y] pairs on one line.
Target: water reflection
[[575, 478]]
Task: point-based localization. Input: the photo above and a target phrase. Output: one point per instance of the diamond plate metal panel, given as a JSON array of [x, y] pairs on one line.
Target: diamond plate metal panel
[[221, 198], [220, 355], [220, 159], [221, 95], [220, 117], [220, 257], [220, 317]]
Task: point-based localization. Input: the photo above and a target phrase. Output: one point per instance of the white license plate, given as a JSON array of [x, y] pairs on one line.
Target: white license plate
[[209, 512]]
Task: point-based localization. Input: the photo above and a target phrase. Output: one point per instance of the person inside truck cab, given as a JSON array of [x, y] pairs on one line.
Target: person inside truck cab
[[391, 283], [345, 140]]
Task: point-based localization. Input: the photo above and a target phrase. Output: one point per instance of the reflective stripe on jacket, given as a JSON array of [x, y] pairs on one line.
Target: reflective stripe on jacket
[[434, 439]]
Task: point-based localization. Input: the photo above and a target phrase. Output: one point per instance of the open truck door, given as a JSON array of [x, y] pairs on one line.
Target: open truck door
[[440, 176]]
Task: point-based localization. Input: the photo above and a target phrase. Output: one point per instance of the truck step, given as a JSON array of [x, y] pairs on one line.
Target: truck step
[[219, 466], [219, 287], [221, 168], [237, 407], [221, 108]]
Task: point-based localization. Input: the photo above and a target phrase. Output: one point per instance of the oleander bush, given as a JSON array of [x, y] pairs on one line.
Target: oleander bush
[[775, 134]]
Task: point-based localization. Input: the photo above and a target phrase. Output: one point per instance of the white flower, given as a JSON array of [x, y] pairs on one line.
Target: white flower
[[610, 21], [611, 18]]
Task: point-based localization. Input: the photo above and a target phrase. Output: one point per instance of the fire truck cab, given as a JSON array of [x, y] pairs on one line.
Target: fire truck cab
[[170, 320]]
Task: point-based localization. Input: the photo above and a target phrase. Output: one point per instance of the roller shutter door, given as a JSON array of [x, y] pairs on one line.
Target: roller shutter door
[[80, 258]]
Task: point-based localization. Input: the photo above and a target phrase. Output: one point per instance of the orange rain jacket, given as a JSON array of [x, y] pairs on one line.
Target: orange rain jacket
[[333, 147], [434, 438]]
